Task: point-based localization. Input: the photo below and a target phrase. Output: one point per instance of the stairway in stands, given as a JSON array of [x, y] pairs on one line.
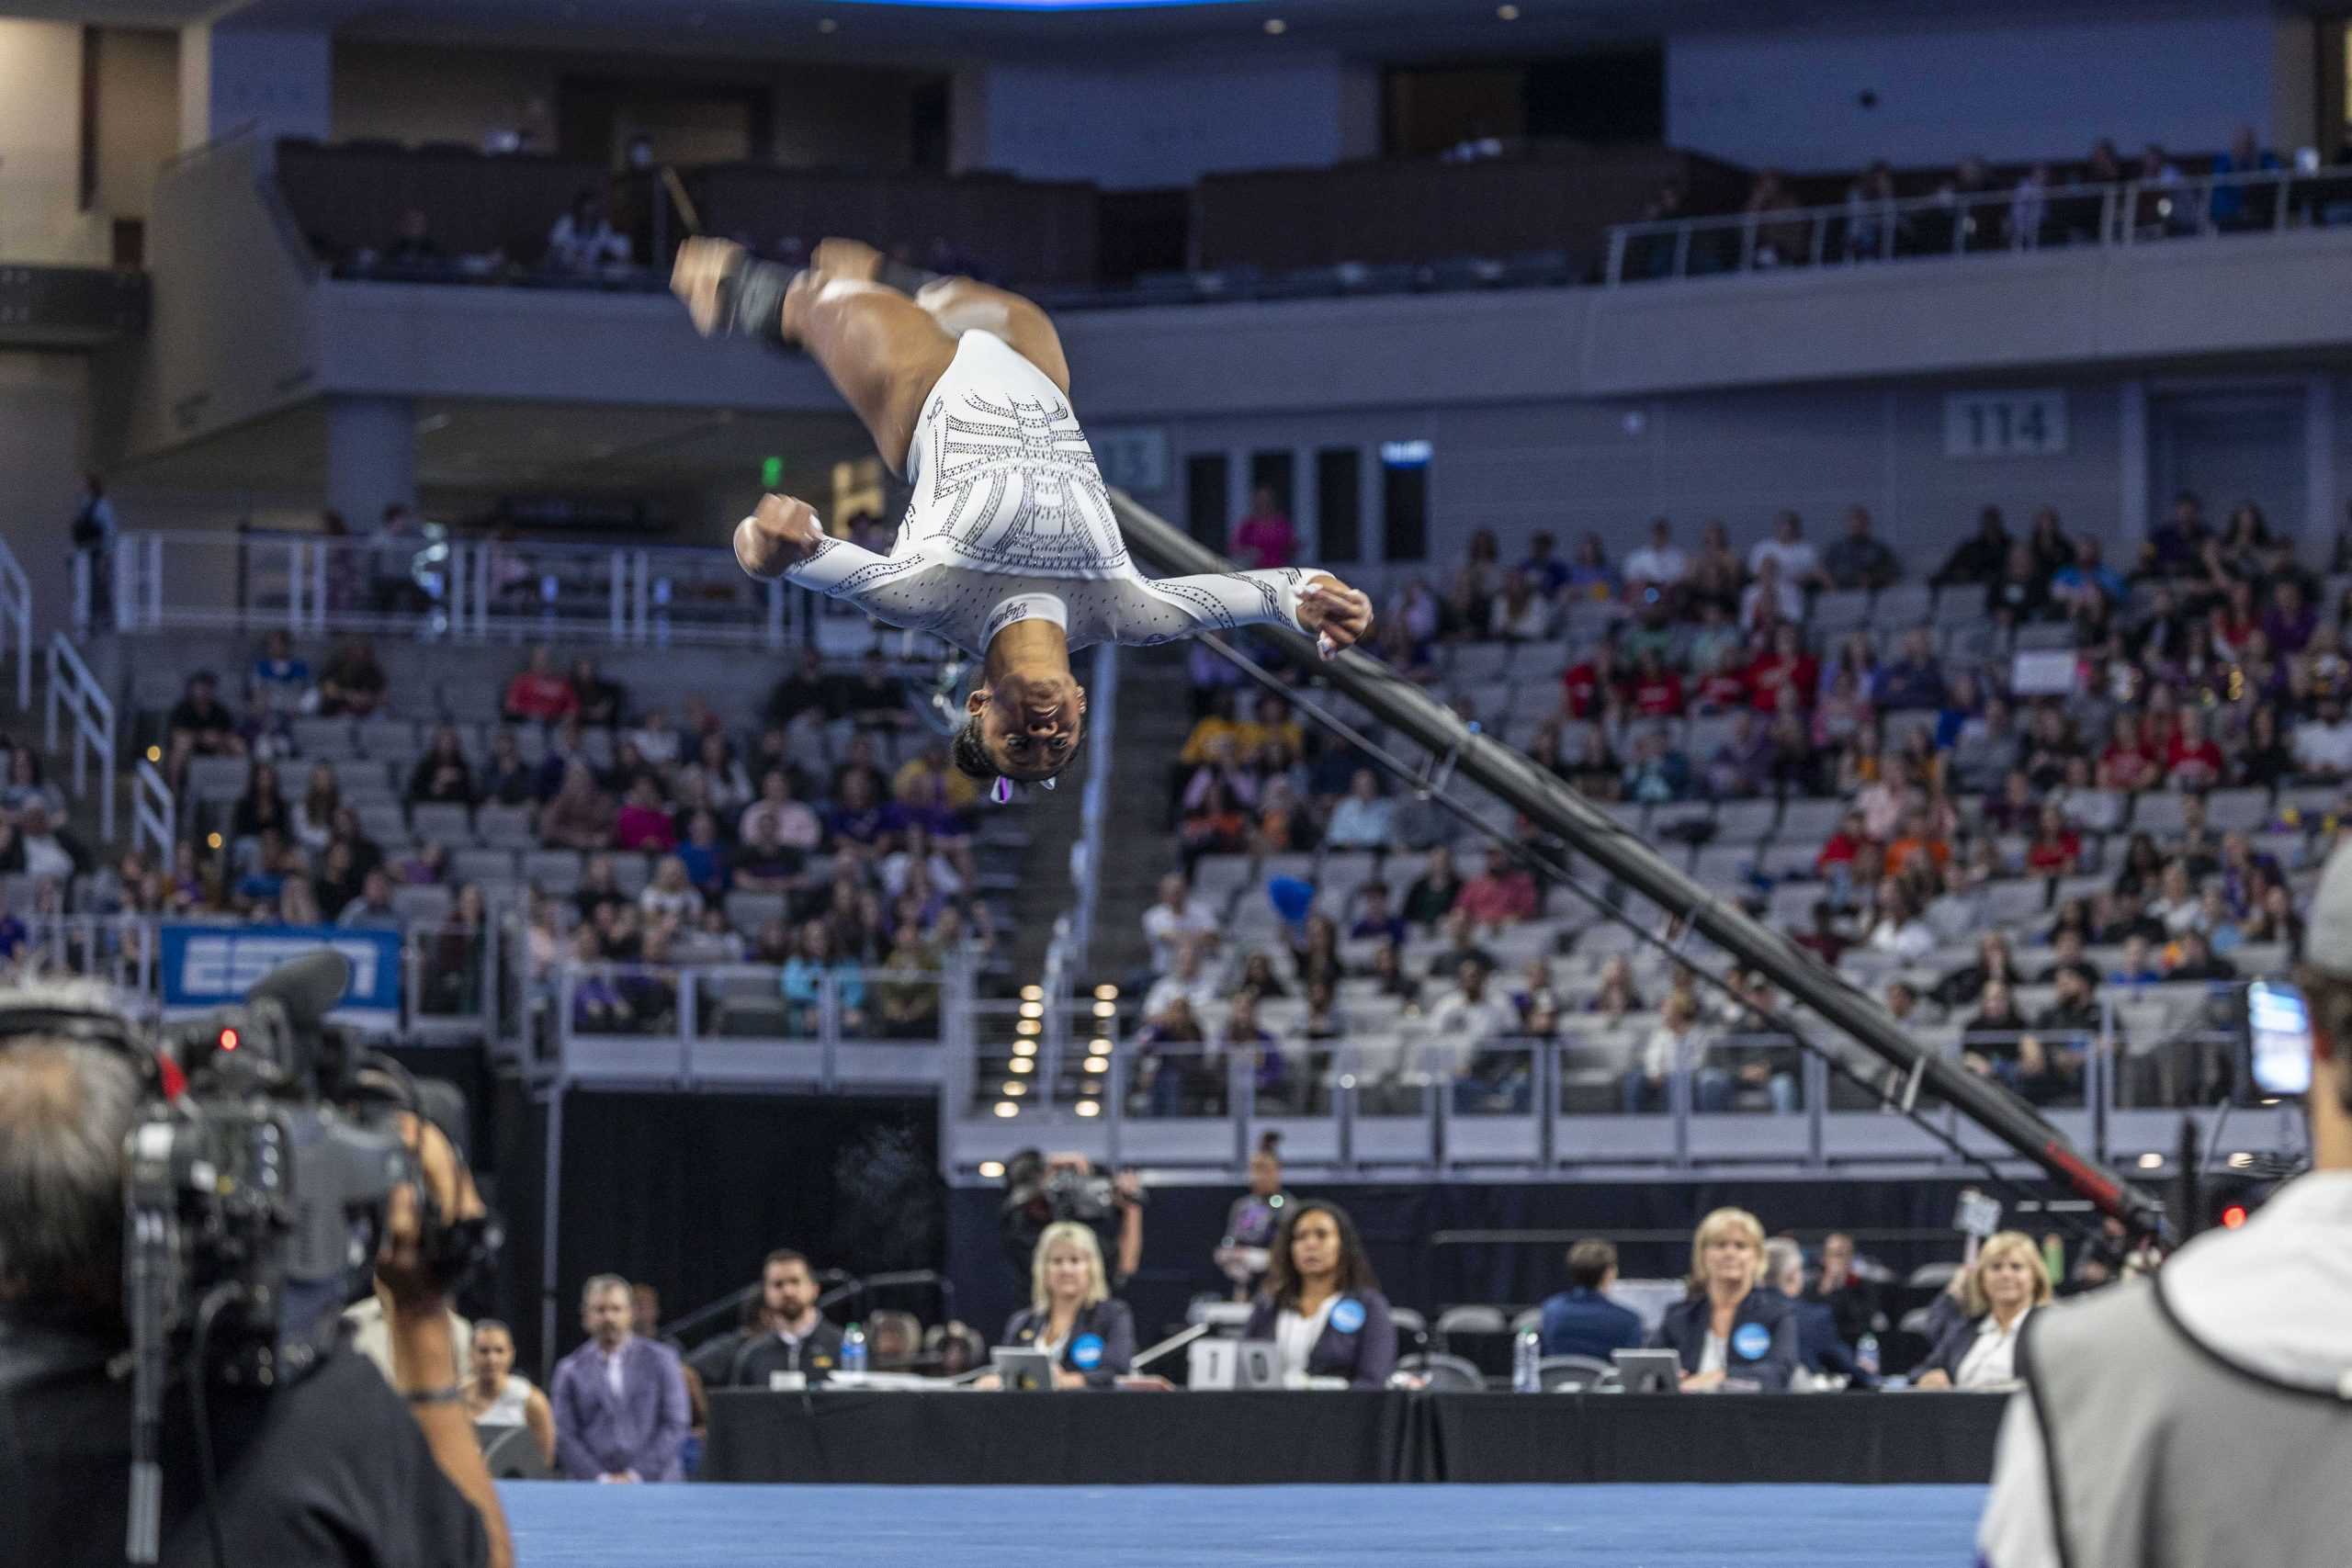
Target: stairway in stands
[[1155, 715]]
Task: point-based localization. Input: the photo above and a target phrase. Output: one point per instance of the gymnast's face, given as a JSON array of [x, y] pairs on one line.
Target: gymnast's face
[[1031, 725]]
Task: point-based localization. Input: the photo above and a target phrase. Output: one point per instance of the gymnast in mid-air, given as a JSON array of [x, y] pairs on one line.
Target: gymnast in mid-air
[[1010, 550]]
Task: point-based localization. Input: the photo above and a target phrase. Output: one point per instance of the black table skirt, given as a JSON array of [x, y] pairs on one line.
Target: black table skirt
[[1093, 1439], [1118, 1439], [1794, 1439]]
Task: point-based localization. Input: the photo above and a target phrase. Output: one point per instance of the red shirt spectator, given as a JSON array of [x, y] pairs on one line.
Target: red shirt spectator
[[1589, 684], [1843, 846], [2057, 849], [1265, 538], [1773, 673], [1656, 691], [539, 694], [1724, 690], [1497, 898], [2193, 759]]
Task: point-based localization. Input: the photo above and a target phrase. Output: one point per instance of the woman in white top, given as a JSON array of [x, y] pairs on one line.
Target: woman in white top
[[495, 1397], [2008, 1284], [1010, 548]]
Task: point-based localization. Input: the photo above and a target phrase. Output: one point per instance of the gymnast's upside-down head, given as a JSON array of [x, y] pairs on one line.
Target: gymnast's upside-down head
[[1025, 726]]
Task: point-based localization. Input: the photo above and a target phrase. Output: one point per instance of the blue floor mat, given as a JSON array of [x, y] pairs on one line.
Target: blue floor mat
[[586, 1525]]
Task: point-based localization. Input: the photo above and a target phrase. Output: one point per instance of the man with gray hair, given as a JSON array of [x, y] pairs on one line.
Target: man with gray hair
[[2203, 1414], [325, 1468], [620, 1401]]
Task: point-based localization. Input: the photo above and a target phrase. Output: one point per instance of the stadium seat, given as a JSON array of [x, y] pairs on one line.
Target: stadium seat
[[1448, 1375], [1571, 1371]]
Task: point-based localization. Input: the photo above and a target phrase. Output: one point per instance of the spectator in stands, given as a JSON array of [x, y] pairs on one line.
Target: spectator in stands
[[1519, 613], [777, 817], [1501, 894], [876, 698], [412, 243], [1998, 1044], [620, 1401], [351, 685], [670, 899], [1677, 1045], [1852, 1300], [1819, 1350], [506, 778], [1860, 560], [260, 810], [805, 691], [1582, 1320], [1175, 919], [199, 725], [1477, 581], [1770, 598], [2008, 1284], [1900, 931], [657, 740], [580, 817], [1468, 1025], [1363, 820], [373, 909], [1322, 1306], [1265, 538], [441, 775], [278, 677], [1914, 677], [2196, 959], [642, 822], [498, 1398], [1435, 892], [1659, 564], [2323, 746], [811, 968], [1542, 567], [583, 242], [2021, 594], [1979, 558], [1727, 1329], [600, 701], [1875, 229], [928, 778]]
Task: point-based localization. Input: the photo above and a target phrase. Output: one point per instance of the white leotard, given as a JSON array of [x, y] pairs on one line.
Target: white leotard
[[1011, 522]]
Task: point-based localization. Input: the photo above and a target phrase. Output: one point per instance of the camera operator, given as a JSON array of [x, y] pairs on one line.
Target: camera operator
[[328, 1467], [1042, 1189], [2203, 1414]]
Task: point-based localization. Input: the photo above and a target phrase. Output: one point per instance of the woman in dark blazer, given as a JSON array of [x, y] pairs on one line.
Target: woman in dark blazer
[[1321, 1306], [2005, 1286], [1070, 1312], [1726, 1329]]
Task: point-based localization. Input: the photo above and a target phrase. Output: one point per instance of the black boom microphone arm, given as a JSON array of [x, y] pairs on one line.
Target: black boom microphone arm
[[1511, 777]]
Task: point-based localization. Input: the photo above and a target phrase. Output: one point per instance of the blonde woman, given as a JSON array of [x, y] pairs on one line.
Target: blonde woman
[[1070, 1314], [2008, 1284], [1727, 1329]]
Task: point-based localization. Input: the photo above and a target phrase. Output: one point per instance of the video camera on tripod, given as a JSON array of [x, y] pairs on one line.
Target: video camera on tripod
[[256, 1200]]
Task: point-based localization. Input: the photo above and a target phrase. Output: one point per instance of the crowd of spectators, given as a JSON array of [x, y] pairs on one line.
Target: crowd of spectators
[[1881, 215], [679, 840], [2118, 769]]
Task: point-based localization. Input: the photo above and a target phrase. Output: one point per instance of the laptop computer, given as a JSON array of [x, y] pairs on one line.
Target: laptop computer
[[1648, 1371], [1022, 1372]]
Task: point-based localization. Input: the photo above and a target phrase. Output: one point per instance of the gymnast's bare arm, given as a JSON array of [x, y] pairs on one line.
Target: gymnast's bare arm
[[779, 534]]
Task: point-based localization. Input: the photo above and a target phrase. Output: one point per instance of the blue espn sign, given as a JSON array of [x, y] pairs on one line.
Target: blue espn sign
[[206, 967]]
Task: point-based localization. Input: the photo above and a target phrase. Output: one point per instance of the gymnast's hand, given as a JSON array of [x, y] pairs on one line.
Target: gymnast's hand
[[702, 264], [777, 537], [1338, 615]]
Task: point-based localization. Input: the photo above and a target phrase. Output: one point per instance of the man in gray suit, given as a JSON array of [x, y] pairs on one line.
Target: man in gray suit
[[620, 1401]]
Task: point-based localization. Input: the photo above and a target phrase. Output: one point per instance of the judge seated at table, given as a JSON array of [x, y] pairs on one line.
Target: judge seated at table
[[2004, 1289], [1070, 1314], [786, 1334], [1727, 1330], [1321, 1306]]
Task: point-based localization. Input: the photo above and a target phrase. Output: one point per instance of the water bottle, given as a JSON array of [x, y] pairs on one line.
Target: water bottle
[[853, 1348], [1866, 1356], [1527, 1361]]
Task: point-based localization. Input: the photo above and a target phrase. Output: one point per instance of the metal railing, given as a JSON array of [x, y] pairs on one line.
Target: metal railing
[[2022, 218], [1073, 941], [312, 584], [1404, 1097], [155, 814], [90, 713], [750, 1026], [17, 623]]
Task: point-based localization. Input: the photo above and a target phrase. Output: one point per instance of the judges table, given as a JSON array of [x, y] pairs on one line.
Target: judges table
[[962, 1438]]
